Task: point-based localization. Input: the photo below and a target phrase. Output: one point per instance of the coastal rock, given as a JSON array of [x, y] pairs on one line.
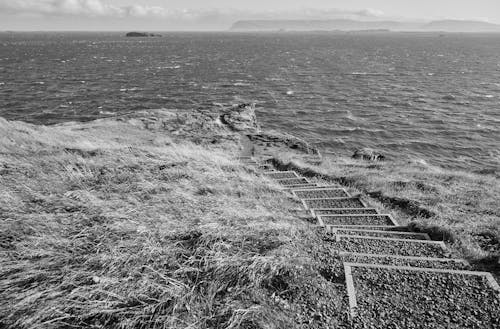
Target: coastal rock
[[142, 34], [241, 118], [368, 154], [279, 142]]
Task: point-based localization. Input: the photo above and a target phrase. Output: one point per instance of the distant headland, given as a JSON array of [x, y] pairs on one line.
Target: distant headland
[[349, 25], [142, 35]]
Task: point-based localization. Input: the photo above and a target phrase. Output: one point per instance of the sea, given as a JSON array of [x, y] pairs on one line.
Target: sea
[[433, 98]]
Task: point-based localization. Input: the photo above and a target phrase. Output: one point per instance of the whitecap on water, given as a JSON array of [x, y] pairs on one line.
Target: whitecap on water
[[290, 92], [420, 161], [130, 89], [175, 67]]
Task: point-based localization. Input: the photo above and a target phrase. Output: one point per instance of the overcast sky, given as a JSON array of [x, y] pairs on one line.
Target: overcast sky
[[219, 14]]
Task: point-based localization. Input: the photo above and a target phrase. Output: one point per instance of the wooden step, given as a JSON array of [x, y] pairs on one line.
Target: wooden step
[[292, 181], [380, 233], [332, 228], [293, 187], [282, 175], [423, 262], [312, 204], [391, 246], [397, 296], [345, 211], [362, 219], [321, 193], [318, 187]]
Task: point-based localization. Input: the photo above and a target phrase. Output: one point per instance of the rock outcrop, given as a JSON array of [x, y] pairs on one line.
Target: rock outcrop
[[241, 118], [368, 154]]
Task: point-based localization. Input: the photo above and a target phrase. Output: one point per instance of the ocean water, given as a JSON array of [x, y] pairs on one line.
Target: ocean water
[[430, 97]]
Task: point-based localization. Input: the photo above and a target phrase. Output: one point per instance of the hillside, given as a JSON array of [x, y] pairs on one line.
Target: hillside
[[150, 220], [354, 25], [317, 25], [462, 26]]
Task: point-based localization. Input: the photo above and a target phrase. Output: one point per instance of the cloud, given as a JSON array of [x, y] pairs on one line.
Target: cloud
[[99, 8], [90, 8]]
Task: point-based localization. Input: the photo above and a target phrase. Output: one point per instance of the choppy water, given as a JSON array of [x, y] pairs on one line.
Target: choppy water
[[422, 96]]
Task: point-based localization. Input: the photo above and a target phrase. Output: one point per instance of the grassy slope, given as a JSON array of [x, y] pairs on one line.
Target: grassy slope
[[150, 222], [128, 224], [462, 208]]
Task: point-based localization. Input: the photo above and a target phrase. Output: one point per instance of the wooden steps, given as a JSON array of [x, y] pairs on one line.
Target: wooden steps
[[393, 276]]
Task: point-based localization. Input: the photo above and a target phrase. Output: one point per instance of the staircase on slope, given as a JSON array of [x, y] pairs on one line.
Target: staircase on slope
[[393, 276]]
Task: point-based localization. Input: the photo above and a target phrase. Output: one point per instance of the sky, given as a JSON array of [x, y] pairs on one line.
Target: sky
[[162, 15]]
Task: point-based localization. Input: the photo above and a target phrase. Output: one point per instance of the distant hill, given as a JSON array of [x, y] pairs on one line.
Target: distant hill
[[318, 25], [354, 25], [461, 26]]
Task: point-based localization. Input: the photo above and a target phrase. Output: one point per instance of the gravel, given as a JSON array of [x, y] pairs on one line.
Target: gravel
[[322, 193], [390, 247], [343, 211], [389, 298], [384, 234], [396, 261], [372, 227], [301, 186], [292, 181], [334, 203], [281, 175], [356, 220]]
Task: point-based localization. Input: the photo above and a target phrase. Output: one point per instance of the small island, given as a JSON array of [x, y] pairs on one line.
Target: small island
[[142, 35]]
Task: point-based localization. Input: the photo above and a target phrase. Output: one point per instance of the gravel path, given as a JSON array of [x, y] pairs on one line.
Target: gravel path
[[346, 211], [322, 193], [281, 175], [355, 219], [390, 247], [334, 203], [440, 263], [383, 234], [396, 297], [300, 186], [368, 227], [389, 298], [292, 181]]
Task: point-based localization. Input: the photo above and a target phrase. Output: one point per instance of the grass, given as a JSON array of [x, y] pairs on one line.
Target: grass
[[149, 221], [459, 207], [118, 226]]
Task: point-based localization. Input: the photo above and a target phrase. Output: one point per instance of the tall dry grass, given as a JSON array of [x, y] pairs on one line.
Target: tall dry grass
[[109, 224]]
